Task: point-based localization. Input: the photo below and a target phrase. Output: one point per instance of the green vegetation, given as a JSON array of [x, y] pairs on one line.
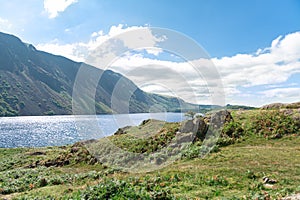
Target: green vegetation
[[269, 123], [9, 104], [141, 139], [49, 112], [254, 144]]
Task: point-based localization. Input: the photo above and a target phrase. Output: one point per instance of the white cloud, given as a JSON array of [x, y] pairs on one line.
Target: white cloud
[[293, 92], [269, 66], [53, 7], [5, 25], [180, 79], [154, 51], [271, 86], [81, 50], [272, 65], [71, 51], [158, 88], [99, 37]]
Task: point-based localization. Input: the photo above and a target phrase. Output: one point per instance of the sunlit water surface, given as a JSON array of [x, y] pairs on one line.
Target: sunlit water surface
[[37, 131]]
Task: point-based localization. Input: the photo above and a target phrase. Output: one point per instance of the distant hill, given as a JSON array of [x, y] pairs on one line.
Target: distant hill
[[211, 108], [271, 106], [239, 107], [34, 82]]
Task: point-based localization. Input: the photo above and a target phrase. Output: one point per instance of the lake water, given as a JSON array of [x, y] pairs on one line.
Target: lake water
[[38, 131]]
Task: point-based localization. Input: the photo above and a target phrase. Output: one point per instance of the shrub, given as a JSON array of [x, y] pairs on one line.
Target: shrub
[[114, 189], [232, 129], [271, 122]]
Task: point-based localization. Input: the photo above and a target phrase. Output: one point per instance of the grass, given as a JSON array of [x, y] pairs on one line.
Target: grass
[[234, 171], [149, 137]]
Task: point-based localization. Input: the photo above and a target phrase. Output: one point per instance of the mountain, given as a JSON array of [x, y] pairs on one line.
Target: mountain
[[34, 82]]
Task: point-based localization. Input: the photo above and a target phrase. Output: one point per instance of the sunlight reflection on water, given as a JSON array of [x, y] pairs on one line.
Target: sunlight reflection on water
[[37, 131]]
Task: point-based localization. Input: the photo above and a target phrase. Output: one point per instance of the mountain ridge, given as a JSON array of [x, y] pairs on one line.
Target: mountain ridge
[[34, 82]]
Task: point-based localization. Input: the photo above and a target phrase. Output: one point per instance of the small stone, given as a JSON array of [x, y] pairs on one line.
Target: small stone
[[43, 182], [267, 180], [277, 136]]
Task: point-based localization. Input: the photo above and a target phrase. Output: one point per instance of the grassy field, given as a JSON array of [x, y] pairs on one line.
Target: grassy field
[[257, 143]]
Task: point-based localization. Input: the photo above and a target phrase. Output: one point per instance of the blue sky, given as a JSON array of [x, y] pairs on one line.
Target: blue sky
[[225, 29]]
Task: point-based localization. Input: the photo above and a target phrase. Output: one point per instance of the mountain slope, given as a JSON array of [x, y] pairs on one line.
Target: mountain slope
[[33, 82]]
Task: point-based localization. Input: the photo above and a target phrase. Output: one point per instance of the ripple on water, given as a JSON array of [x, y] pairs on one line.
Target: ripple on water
[[38, 131]]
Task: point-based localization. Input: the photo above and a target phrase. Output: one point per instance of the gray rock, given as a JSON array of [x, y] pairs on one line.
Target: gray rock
[[184, 137], [196, 126], [218, 119], [202, 128], [188, 126], [267, 180]]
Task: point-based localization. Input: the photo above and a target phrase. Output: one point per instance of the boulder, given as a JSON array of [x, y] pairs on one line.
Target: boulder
[[267, 180], [199, 126], [202, 128], [196, 126], [184, 137], [219, 118], [188, 126]]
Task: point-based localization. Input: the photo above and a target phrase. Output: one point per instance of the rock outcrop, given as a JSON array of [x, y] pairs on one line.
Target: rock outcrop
[[218, 119], [199, 126], [196, 126]]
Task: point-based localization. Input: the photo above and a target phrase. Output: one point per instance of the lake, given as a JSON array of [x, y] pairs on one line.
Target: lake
[[39, 131]]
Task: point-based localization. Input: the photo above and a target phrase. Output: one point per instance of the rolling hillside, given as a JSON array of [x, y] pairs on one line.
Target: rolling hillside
[[33, 82]]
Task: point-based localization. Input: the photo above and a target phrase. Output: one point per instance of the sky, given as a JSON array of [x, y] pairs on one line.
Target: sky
[[252, 46]]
